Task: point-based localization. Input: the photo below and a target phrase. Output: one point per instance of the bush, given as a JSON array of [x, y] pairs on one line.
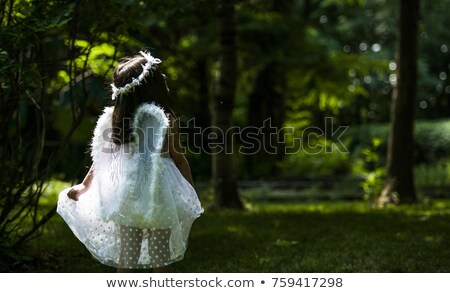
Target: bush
[[304, 164], [374, 172], [432, 140]]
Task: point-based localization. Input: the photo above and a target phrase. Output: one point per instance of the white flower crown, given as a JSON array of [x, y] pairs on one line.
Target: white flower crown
[[146, 68]]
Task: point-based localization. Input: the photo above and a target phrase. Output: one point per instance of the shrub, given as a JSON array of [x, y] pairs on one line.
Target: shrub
[[432, 140], [305, 164]]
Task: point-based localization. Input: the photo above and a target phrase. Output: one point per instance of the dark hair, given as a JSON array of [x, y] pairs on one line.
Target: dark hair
[[152, 89]]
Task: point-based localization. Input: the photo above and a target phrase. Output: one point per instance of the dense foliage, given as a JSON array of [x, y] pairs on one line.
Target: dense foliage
[[300, 61]]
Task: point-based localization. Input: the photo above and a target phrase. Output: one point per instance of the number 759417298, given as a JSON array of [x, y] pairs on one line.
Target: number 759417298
[[307, 282]]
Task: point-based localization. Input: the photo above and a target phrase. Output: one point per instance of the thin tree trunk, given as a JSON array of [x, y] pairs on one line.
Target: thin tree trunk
[[399, 184], [223, 161], [266, 113]]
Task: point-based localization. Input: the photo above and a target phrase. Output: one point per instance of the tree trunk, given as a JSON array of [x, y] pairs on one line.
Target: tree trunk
[[399, 184], [223, 161], [266, 113]]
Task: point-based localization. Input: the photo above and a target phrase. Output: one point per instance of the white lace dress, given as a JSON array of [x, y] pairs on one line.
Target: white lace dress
[[139, 209]]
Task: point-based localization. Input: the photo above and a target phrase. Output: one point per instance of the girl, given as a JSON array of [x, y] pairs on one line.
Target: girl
[[138, 200]]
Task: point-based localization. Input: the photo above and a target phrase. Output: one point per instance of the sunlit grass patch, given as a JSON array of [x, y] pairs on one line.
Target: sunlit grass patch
[[322, 237]]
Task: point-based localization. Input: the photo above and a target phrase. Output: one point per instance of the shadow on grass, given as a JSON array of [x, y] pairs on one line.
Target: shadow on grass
[[329, 237]]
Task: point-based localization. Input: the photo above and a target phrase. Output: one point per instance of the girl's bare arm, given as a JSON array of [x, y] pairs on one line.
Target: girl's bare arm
[[76, 191], [176, 151]]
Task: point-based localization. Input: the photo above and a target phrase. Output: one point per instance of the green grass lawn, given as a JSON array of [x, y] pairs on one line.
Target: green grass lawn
[[300, 237]]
